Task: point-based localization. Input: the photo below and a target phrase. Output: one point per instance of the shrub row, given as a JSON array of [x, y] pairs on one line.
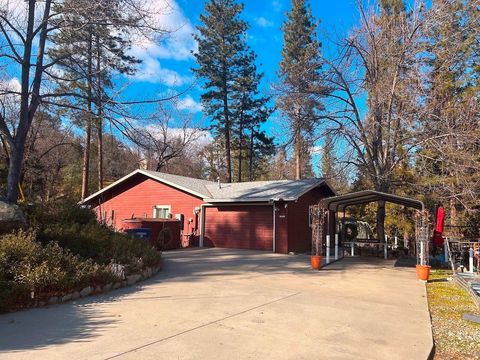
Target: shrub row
[[65, 250]]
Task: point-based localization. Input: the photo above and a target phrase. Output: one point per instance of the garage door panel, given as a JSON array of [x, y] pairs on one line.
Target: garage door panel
[[239, 227]]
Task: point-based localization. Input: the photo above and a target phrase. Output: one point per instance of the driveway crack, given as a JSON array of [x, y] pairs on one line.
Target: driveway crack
[[201, 326]]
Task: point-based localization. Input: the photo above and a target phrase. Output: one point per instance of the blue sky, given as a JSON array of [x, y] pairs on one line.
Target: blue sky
[[167, 61], [167, 66]]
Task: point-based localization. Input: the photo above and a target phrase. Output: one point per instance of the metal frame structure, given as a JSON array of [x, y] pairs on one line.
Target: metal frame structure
[[341, 202]]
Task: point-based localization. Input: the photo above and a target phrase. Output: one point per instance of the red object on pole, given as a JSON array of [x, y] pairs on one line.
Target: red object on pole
[[439, 221]]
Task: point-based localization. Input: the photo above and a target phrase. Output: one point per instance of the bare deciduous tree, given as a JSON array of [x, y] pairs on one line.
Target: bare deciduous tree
[[25, 30], [377, 66], [166, 140]]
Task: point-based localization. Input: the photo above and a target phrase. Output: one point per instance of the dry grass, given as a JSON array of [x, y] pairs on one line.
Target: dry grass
[[454, 337]]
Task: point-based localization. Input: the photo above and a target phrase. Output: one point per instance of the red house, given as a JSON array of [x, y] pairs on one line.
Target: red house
[[261, 215]]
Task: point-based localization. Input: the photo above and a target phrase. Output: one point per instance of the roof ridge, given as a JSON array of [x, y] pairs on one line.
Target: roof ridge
[[202, 182], [180, 176], [267, 181]]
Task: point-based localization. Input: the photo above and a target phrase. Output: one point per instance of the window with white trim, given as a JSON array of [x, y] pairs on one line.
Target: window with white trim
[[162, 211]]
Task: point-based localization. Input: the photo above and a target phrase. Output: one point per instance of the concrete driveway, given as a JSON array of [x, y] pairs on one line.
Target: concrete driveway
[[233, 304]]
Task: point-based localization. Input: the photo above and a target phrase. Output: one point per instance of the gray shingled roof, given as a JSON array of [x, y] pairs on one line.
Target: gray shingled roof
[[228, 192], [198, 186], [261, 190]]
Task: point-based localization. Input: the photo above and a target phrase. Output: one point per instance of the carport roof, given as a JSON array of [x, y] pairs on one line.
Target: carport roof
[[340, 202], [213, 192]]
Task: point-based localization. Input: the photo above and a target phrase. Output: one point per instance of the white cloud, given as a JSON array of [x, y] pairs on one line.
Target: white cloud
[[188, 103], [13, 84], [263, 22], [178, 44], [151, 71], [7, 87]]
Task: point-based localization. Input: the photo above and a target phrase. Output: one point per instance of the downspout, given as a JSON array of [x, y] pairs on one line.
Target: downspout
[[202, 225], [273, 240]]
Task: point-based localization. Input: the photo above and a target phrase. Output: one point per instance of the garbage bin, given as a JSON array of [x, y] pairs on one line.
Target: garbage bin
[[140, 233]]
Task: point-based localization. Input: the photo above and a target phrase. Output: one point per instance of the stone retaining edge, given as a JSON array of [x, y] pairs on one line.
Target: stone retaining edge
[[101, 289]]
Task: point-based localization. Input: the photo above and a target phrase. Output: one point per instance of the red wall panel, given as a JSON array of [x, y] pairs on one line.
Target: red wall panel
[[299, 231], [239, 227], [281, 227], [137, 196]]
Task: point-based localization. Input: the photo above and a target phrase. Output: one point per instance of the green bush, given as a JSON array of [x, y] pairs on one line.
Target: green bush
[[102, 245], [62, 212], [26, 265], [75, 228], [67, 250]]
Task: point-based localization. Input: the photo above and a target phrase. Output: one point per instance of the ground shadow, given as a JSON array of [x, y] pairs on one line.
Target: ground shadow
[[406, 261], [42, 327]]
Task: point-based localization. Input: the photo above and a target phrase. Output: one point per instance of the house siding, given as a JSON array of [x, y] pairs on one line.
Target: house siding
[[137, 196]]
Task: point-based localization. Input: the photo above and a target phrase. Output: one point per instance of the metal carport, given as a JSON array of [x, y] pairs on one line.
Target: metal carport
[[340, 202]]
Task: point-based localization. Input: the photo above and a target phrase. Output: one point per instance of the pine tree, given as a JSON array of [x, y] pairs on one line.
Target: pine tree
[[301, 89], [221, 51], [250, 110], [450, 156], [90, 48]]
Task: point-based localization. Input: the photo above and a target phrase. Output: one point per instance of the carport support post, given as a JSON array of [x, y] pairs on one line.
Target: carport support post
[[328, 250], [336, 246], [445, 249], [385, 255], [470, 260]]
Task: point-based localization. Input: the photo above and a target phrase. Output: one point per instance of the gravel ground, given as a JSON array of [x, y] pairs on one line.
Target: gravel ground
[[454, 337]]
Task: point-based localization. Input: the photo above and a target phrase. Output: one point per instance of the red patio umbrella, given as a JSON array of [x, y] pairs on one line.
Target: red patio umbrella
[[437, 233]]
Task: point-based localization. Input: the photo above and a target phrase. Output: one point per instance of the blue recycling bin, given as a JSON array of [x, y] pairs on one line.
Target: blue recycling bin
[[140, 233]]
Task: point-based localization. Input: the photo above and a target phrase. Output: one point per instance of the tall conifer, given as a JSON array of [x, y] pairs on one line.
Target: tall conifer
[[300, 86], [219, 57]]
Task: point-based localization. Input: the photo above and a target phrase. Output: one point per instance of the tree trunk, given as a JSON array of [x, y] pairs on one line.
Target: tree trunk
[[88, 128], [29, 97], [298, 156], [86, 159], [99, 119], [17, 147], [453, 216], [251, 154], [240, 148], [100, 151], [14, 169], [381, 221], [227, 139]]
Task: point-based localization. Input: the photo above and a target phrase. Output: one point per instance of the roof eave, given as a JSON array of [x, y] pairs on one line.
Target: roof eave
[[147, 174], [247, 200]]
